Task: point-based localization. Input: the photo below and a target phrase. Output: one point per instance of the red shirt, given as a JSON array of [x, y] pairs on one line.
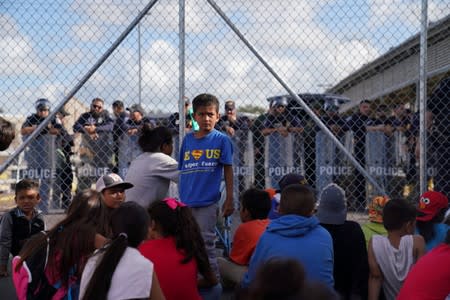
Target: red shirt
[[245, 239], [429, 278], [177, 280]]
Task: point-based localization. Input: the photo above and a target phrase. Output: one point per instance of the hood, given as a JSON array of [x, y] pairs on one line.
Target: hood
[[293, 225]]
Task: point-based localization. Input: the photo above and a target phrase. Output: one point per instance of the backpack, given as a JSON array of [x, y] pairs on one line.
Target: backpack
[[37, 287]]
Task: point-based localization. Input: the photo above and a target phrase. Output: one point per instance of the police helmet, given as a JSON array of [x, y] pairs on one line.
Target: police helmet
[[42, 104], [281, 101], [330, 106]]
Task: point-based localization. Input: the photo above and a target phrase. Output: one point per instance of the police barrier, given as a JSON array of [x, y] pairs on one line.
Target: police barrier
[[329, 167], [96, 155]]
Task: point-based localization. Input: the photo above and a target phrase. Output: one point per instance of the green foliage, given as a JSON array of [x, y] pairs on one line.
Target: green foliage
[[253, 109]]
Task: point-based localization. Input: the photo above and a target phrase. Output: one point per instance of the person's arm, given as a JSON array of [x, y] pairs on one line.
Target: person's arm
[[107, 125], [267, 131], [78, 126], [5, 243], [156, 292], [99, 241], [419, 247], [167, 169], [228, 207], [375, 275], [27, 129]]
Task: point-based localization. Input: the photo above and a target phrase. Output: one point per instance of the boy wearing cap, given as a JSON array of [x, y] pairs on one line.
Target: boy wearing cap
[[37, 156], [112, 188], [351, 268], [431, 211], [288, 179], [296, 234], [206, 155]]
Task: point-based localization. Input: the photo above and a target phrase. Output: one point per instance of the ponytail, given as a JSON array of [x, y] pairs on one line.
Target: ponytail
[[177, 221], [100, 281]]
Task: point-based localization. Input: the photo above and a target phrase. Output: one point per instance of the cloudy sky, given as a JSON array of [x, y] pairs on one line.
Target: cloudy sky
[[48, 46]]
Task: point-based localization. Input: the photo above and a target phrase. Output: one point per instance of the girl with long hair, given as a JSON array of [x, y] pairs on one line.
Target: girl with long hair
[[177, 250], [154, 167], [51, 263], [119, 271]]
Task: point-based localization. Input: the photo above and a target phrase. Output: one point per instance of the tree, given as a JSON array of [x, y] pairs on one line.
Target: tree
[[253, 109]]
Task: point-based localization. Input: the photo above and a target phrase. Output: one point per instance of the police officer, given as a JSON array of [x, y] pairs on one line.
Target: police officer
[[39, 155], [96, 149]]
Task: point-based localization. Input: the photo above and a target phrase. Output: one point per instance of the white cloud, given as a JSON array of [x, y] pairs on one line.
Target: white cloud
[[350, 56], [88, 32], [16, 55]]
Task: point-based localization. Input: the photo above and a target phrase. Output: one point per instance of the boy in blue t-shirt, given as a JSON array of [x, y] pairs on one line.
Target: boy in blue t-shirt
[[203, 156]]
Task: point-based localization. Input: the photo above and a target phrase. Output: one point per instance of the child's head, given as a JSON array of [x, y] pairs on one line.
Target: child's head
[[172, 218], [298, 200], [376, 208], [112, 188], [398, 214], [255, 204], [165, 217], [206, 111], [7, 133], [130, 221], [432, 207], [332, 207], [278, 278], [27, 195], [157, 139], [292, 178], [203, 100], [82, 204]]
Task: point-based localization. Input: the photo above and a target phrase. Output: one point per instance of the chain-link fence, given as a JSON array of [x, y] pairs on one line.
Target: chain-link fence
[[327, 89]]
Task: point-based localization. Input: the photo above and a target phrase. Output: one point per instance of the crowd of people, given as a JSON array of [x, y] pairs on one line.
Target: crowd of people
[[382, 139], [126, 239]]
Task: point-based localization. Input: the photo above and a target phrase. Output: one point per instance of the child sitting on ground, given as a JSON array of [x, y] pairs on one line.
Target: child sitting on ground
[[112, 194], [50, 264], [255, 206], [20, 223], [391, 257], [177, 250], [288, 179], [118, 270]]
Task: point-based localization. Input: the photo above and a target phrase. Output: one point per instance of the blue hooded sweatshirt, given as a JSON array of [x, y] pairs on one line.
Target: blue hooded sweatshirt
[[300, 238]]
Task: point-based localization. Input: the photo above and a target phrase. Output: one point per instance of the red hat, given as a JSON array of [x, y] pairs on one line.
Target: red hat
[[430, 204]]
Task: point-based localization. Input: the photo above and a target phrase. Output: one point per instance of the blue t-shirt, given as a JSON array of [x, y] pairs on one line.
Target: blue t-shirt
[[201, 165]]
